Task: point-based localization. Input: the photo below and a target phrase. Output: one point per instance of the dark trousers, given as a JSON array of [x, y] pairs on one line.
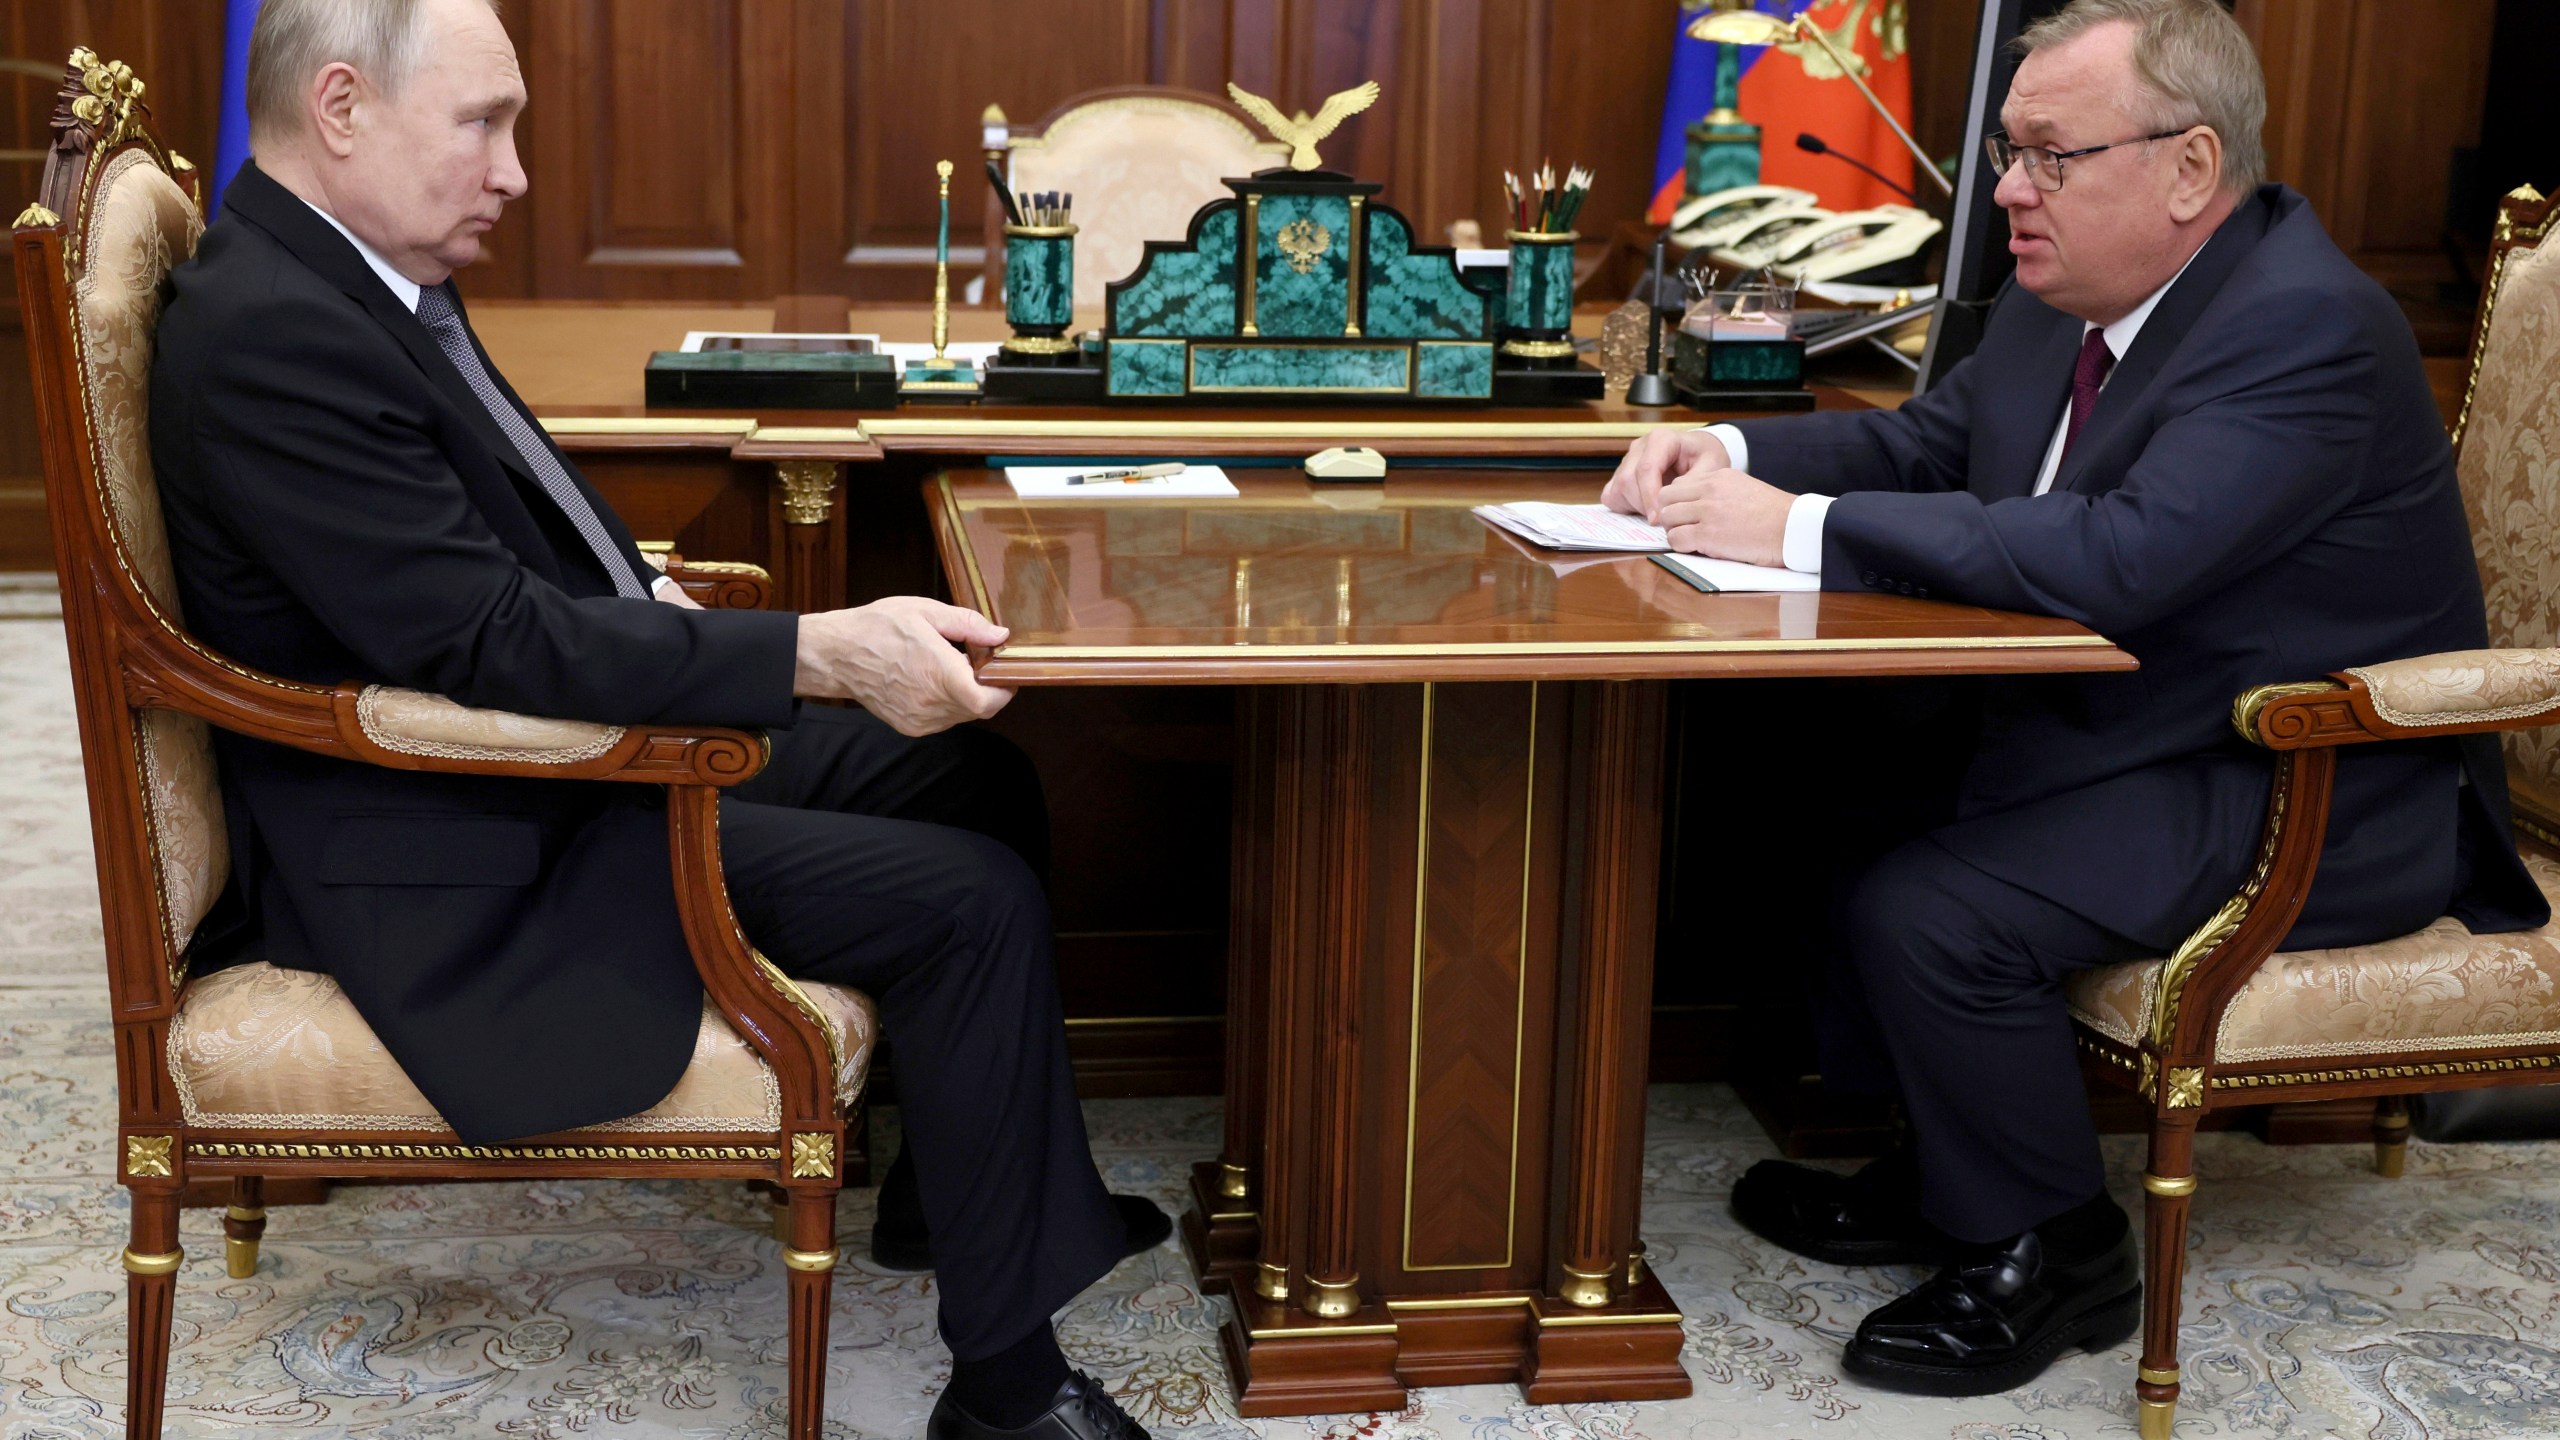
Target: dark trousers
[[906, 869], [1945, 989]]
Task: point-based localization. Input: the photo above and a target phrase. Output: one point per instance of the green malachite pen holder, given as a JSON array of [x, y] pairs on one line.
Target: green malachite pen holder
[[1537, 306], [1040, 289]]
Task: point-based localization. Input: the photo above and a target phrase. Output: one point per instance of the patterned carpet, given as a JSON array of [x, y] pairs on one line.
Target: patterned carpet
[[2321, 1300]]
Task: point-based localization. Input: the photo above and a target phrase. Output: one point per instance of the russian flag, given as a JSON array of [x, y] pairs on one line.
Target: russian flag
[[231, 137], [1790, 89]]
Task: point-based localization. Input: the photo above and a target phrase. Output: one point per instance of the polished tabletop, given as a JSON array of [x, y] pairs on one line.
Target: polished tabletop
[[1297, 582]]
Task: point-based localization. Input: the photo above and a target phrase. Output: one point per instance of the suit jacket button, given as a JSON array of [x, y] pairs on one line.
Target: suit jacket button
[[1869, 578], [1905, 587]]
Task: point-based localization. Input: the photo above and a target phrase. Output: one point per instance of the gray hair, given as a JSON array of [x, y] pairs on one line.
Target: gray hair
[[296, 39], [2196, 65]]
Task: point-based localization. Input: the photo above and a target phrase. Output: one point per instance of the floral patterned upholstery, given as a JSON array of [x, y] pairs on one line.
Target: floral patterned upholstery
[[1157, 158], [141, 224], [413, 722], [2442, 988], [2510, 467], [254, 1047], [2462, 687]]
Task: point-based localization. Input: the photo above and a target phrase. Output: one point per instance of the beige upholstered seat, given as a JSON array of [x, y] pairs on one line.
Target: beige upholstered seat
[[2442, 988], [259, 1048], [1139, 165]]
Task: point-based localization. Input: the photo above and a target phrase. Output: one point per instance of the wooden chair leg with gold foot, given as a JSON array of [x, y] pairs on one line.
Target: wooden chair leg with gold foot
[[2390, 1135], [2167, 1184], [810, 1255], [150, 1287], [243, 1225]]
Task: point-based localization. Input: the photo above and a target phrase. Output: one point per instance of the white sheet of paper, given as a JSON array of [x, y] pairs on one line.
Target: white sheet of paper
[[1736, 577], [1049, 482], [1575, 527]]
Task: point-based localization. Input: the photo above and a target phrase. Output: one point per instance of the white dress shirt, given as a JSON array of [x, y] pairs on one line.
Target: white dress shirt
[[407, 291], [1801, 549]]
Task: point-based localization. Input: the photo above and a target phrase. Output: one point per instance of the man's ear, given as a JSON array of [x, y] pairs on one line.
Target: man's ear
[[336, 92], [2199, 176]]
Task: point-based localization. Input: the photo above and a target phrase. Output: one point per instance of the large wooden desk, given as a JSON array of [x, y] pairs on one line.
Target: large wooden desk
[[1446, 842]]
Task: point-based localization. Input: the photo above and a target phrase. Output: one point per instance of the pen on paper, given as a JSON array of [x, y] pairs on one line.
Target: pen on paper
[[1128, 477]]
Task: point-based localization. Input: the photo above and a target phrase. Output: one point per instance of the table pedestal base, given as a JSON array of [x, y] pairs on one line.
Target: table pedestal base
[[1440, 970]]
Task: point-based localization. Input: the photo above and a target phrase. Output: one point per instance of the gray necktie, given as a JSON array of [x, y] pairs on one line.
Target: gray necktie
[[436, 312]]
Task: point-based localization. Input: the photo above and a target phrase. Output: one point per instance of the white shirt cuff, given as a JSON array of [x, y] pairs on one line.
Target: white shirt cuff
[[1736, 448], [1802, 547], [659, 585]]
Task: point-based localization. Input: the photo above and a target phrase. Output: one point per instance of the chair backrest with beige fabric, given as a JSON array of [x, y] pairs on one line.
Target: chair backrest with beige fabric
[[2507, 440], [251, 1071], [1140, 161]]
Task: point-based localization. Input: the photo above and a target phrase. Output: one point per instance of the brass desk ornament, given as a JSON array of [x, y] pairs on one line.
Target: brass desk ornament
[[940, 378]]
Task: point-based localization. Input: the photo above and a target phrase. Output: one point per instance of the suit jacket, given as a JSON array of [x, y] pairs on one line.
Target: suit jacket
[[2263, 493], [341, 508]]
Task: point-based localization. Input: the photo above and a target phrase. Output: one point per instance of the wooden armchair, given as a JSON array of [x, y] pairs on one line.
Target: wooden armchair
[[1140, 158], [2227, 1020], [224, 1075]]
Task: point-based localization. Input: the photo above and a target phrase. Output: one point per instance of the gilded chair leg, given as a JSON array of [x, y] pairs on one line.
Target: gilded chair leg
[[2167, 1184], [150, 1292], [243, 1225], [810, 1255], [2390, 1136]]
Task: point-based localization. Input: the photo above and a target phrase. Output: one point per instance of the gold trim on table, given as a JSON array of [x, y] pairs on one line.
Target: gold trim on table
[[641, 425], [1135, 429], [1546, 647]]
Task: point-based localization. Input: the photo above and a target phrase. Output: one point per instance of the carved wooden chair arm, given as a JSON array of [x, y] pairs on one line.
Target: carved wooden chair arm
[[2458, 692], [411, 730], [718, 584]]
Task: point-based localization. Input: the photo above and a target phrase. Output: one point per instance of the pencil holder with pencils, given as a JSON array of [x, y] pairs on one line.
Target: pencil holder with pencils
[[1039, 288], [1537, 307]]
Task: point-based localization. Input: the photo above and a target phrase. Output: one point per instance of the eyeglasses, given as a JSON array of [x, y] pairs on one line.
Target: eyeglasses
[[2044, 166]]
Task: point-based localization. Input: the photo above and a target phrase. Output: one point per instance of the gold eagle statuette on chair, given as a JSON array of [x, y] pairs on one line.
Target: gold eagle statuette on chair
[[1300, 133]]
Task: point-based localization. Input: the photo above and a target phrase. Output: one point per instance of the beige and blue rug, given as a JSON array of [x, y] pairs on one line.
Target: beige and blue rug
[[2321, 1301]]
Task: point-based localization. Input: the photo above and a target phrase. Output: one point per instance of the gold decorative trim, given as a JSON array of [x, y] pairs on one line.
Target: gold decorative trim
[[1040, 344], [1315, 1332], [2391, 1122], [1332, 1299], [1270, 1281], [1040, 232], [811, 1262], [1538, 349], [813, 1156], [2244, 709], [2186, 1089], [37, 215], [2159, 1418], [1666, 1317], [1467, 1302], [808, 490], [239, 1257], [2208, 937], [1549, 647], [2171, 1186], [2387, 1072], [2508, 238], [1586, 1288], [245, 1213], [837, 1080], [1520, 992], [136, 1263], [645, 1154], [1542, 237], [146, 1157], [638, 425], [1250, 259], [1351, 294], [180, 162], [1234, 1182], [2148, 1079], [2157, 1377], [953, 517]]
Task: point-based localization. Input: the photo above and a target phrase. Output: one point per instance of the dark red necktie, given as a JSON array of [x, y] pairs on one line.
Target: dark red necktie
[[2095, 361]]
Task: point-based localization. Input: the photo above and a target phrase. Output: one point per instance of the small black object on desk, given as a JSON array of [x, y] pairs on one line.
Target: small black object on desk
[[1650, 386]]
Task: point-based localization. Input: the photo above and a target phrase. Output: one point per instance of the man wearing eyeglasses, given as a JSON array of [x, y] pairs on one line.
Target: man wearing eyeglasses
[[2195, 427]]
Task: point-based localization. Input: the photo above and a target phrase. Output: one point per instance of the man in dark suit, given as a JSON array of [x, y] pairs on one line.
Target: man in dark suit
[[2195, 427], [353, 493]]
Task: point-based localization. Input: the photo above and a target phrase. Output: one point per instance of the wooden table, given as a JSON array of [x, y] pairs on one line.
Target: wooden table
[[1446, 832]]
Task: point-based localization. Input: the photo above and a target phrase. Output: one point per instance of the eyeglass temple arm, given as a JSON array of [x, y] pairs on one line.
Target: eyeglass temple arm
[[1803, 27]]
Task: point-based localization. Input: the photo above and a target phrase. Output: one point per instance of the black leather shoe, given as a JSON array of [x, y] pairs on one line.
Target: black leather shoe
[[901, 1245], [1996, 1318], [1083, 1410], [1870, 1218]]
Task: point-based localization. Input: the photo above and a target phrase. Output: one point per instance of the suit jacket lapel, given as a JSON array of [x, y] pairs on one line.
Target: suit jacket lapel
[[2024, 412], [2161, 335], [262, 202]]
